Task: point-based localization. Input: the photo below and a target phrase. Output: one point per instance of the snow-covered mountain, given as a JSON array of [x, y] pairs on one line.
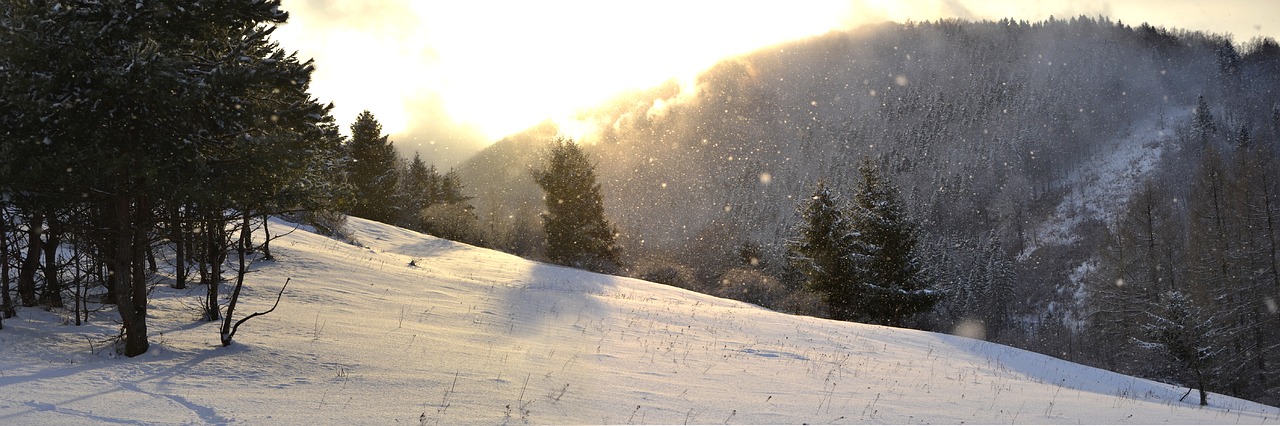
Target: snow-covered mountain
[[408, 328], [1016, 147]]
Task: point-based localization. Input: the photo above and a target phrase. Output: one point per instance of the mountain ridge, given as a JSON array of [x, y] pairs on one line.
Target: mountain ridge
[[1014, 145]]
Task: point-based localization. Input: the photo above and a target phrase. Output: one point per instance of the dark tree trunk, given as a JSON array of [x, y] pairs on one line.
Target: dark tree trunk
[[77, 283], [200, 248], [177, 233], [27, 275], [214, 252], [138, 287], [52, 294], [131, 298], [6, 301], [266, 240], [151, 257], [241, 249], [110, 281]]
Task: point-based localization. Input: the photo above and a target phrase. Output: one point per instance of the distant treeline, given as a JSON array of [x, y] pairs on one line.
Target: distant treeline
[[989, 129]]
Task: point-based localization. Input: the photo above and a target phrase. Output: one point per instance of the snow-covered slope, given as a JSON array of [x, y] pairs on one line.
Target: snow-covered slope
[[470, 336], [1101, 186]]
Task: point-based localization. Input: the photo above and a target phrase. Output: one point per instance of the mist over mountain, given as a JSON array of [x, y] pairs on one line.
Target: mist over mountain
[[1084, 189], [986, 117], [1029, 137]]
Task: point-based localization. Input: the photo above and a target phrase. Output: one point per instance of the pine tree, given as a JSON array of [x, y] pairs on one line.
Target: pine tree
[[861, 259], [373, 170], [420, 183], [995, 304], [888, 264], [1203, 126], [451, 188], [577, 232], [449, 214], [823, 251], [152, 99]]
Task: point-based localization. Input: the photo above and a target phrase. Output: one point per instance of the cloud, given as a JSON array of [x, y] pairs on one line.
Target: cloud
[[361, 15], [435, 136], [445, 77], [957, 9]]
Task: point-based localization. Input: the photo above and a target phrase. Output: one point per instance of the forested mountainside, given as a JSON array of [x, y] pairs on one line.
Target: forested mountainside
[[1025, 152]]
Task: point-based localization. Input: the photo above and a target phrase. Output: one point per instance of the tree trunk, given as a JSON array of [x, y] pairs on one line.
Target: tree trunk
[[130, 301], [6, 301], [266, 240], [27, 275], [213, 252], [178, 235], [78, 284], [241, 249], [109, 282], [150, 249], [52, 294], [199, 248], [138, 287]]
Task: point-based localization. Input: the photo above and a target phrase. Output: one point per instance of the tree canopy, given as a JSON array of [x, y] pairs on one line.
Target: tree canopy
[[577, 231]]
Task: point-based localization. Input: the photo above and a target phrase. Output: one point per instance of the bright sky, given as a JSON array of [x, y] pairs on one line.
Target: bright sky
[[471, 72]]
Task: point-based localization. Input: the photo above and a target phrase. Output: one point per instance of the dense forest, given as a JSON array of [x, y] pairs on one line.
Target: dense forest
[[146, 144], [1072, 181], [1100, 192]]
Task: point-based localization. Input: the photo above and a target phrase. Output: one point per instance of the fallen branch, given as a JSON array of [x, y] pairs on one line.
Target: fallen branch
[[226, 336]]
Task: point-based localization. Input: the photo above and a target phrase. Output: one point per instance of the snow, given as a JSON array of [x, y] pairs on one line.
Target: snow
[[471, 336], [1103, 185]]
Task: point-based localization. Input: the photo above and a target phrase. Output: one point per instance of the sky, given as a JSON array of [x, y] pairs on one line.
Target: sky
[[446, 78]]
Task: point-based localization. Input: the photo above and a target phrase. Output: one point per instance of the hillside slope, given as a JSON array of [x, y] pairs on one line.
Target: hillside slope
[[471, 336], [1017, 147]]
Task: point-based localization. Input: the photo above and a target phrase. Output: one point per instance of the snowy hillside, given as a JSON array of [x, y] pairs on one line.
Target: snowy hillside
[[470, 336], [1104, 183]]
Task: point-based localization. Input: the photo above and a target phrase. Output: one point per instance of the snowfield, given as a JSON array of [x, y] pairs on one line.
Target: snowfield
[[472, 336]]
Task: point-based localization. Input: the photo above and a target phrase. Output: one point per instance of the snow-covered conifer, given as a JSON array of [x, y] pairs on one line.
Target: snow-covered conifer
[[577, 231]]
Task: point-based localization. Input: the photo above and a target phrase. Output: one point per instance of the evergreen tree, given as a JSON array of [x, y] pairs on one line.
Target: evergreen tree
[[823, 251], [372, 171], [995, 304], [420, 183], [862, 259], [451, 189], [888, 265], [434, 203], [1203, 126], [133, 104], [577, 232]]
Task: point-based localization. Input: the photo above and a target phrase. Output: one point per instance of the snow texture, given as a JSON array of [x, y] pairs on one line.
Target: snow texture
[[471, 336], [1104, 184]]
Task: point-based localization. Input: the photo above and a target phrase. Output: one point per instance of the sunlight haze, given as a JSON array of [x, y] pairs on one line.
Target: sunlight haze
[[448, 78]]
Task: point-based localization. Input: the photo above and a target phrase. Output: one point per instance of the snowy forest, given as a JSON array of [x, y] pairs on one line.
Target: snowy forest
[[1086, 189], [1079, 186]]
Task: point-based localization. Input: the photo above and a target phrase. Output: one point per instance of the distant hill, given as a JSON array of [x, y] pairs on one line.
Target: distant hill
[[1031, 137], [970, 115]]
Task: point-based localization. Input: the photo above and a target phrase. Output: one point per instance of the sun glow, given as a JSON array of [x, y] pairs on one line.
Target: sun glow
[[504, 66], [486, 69]]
